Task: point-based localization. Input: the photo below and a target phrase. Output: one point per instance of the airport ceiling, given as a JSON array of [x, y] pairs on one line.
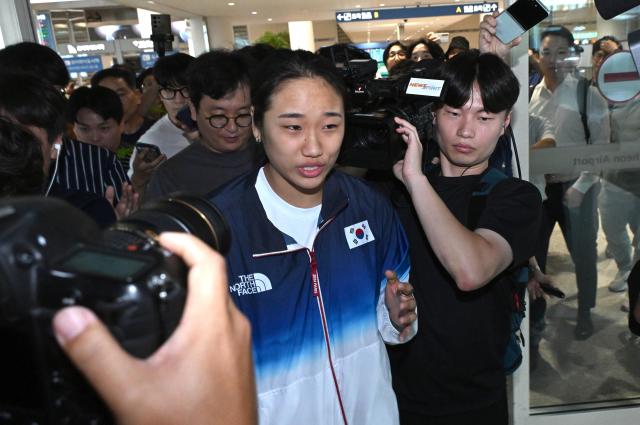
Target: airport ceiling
[[282, 11]]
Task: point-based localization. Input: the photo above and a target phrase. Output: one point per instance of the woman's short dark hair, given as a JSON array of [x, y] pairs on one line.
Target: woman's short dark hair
[[385, 54], [32, 101], [216, 74], [171, 71], [285, 65], [433, 47], [101, 100], [499, 87], [21, 161]]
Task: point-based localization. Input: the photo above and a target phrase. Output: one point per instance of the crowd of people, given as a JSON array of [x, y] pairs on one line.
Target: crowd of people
[[338, 301]]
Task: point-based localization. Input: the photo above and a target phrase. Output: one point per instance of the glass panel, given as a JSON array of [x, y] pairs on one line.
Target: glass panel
[[581, 347]]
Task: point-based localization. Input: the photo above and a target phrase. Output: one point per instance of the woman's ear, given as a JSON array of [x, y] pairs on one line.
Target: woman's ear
[[256, 131]]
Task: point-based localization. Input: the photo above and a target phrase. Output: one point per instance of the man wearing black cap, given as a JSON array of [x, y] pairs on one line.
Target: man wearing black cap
[[580, 116]]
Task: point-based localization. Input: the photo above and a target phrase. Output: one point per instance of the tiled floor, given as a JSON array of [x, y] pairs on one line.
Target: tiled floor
[[605, 366]]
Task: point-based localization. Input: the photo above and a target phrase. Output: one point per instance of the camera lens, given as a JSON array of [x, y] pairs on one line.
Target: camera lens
[[179, 213]]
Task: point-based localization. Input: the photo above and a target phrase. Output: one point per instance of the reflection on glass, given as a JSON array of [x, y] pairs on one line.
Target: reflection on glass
[[585, 159]]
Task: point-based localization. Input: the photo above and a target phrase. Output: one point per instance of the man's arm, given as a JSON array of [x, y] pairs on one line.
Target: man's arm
[[472, 258]]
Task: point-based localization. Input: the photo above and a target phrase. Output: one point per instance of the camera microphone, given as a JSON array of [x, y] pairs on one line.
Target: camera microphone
[[609, 9]]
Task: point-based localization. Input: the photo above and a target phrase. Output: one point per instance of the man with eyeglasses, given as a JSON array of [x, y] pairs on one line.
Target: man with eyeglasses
[[220, 105], [169, 134]]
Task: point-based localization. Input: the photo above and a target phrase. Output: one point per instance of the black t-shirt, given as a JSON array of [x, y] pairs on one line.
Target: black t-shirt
[[455, 362]]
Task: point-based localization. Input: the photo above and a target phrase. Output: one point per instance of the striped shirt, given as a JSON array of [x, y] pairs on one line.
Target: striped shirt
[[89, 168]]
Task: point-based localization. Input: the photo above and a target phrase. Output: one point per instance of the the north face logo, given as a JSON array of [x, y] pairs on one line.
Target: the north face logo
[[251, 284]]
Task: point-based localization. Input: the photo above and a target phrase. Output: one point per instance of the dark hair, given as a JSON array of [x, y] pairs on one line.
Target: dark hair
[[21, 161], [32, 101], [285, 65], [172, 70], [116, 71], [457, 43], [433, 48], [36, 59], [597, 46], [142, 76], [101, 100], [216, 74], [562, 32], [385, 54], [499, 87]]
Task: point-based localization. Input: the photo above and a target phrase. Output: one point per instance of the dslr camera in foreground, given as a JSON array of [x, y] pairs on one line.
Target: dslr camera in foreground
[[53, 256]]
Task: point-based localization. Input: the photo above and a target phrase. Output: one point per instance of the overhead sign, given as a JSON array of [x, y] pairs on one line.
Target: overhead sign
[[88, 64], [618, 78], [361, 15], [86, 48]]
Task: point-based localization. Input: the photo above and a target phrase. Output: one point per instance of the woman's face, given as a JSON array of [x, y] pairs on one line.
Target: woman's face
[[302, 132], [420, 52], [396, 54]]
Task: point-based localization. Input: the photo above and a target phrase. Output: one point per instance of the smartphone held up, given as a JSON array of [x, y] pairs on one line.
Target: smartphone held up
[[519, 18]]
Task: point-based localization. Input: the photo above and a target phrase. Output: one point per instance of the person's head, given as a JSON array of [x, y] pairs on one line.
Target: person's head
[[602, 48], [299, 115], [220, 100], [96, 116], [21, 161], [36, 105], [425, 49], [394, 53], [481, 92], [170, 73], [122, 81], [458, 44], [36, 59], [557, 52]]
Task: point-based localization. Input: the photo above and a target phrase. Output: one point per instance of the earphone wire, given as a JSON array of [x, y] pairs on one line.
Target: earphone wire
[[55, 172]]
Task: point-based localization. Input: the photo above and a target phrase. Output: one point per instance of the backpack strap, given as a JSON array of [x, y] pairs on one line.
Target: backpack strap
[[583, 90], [479, 195]]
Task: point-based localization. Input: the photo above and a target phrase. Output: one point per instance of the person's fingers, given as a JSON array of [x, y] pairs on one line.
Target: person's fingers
[[405, 288], [110, 194], [208, 284], [96, 354]]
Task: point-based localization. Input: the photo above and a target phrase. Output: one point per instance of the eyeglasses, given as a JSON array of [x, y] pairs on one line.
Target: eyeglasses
[[168, 93], [220, 121]]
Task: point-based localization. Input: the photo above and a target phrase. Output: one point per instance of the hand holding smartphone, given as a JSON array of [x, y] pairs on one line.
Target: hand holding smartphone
[[150, 152], [549, 289], [519, 18]]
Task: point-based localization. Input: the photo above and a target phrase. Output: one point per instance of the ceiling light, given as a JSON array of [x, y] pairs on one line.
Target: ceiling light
[[357, 6], [269, 19], [381, 4], [254, 13], [151, 2], [231, 4]]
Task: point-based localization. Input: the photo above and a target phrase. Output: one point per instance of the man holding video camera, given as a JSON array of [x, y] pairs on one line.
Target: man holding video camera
[[462, 251]]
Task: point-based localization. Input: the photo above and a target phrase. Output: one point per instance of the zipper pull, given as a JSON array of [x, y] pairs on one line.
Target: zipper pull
[[314, 274]]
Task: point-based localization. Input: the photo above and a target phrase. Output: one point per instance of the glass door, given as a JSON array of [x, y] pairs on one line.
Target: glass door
[[583, 363]]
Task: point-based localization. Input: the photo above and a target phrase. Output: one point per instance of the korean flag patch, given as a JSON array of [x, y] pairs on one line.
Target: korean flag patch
[[358, 234]]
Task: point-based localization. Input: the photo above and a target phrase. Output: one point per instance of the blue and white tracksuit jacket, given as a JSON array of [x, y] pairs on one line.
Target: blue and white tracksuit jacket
[[318, 316]]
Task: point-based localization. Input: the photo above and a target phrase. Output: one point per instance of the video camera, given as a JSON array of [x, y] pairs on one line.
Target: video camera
[[53, 256], [370, 139]]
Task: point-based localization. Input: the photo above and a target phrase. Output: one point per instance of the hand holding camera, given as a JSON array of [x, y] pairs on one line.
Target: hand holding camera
[[183, 373]]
